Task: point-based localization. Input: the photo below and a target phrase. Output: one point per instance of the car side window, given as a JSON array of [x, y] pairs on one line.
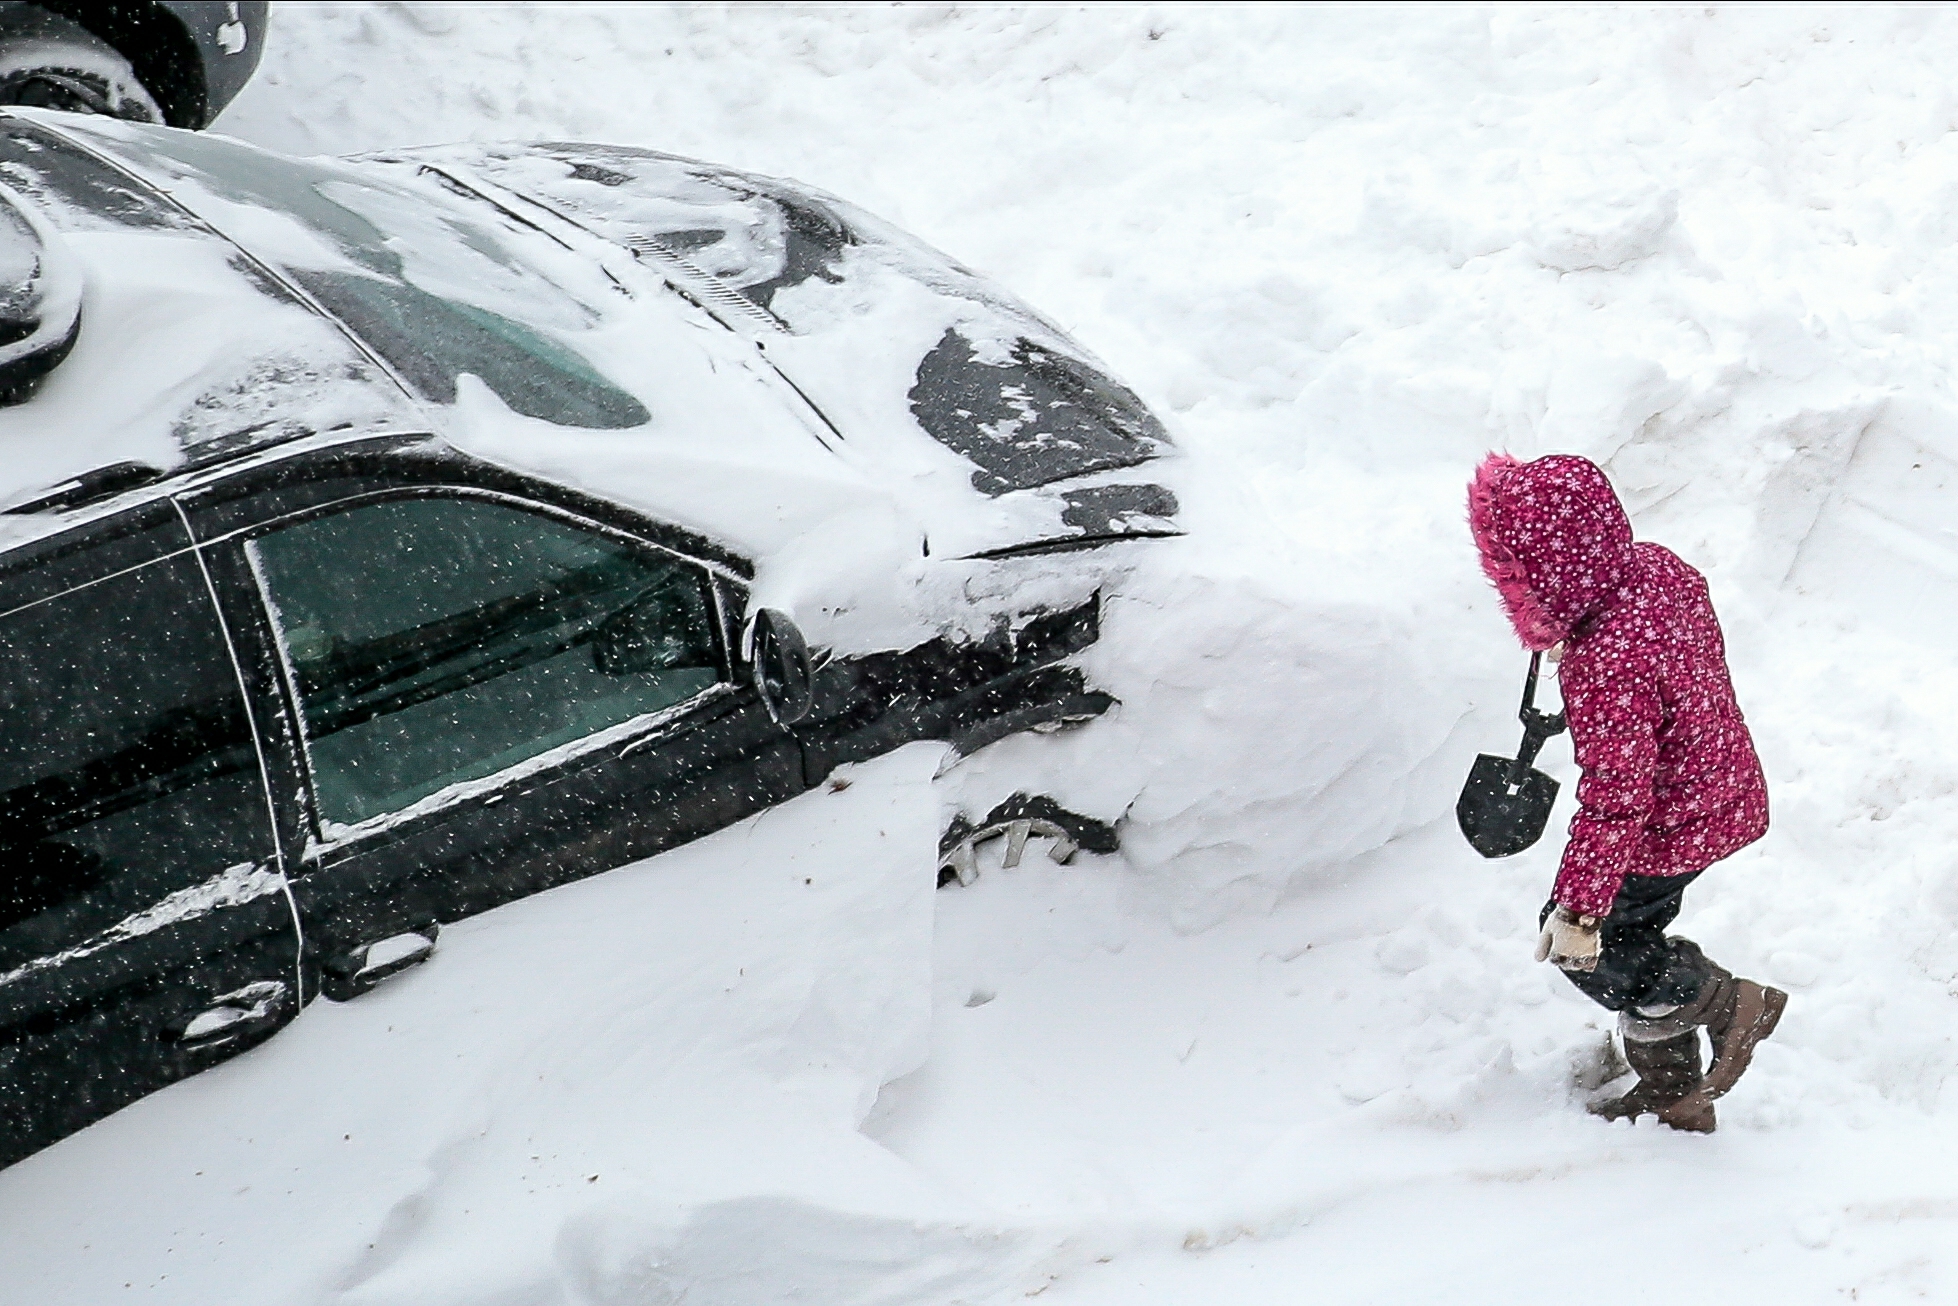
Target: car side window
[[436, 641], [127, 768]]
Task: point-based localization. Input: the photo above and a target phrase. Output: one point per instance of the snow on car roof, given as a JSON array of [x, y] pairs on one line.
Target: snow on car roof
[[189, 347]]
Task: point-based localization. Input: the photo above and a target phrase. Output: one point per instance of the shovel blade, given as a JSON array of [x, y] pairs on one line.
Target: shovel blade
[[1499, 821]]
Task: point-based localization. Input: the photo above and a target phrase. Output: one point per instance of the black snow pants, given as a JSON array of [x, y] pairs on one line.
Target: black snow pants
[[1638, 965]]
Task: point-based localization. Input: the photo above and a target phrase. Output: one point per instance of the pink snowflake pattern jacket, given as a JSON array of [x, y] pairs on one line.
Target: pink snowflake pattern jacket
[[1671, 782]]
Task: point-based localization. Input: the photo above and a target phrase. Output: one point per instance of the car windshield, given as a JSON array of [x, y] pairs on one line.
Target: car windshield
[[433, 287]]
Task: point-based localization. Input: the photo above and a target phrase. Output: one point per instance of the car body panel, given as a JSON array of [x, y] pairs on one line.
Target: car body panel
[[271, 348], [144, 886]]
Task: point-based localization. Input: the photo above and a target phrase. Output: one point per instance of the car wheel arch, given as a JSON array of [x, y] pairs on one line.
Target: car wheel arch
[[159, 48]]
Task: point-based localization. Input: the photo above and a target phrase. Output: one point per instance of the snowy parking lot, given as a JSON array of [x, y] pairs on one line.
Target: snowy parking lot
[[1288, 1045]]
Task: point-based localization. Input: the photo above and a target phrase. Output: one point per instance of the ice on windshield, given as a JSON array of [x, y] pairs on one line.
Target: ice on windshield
[[431, 286]]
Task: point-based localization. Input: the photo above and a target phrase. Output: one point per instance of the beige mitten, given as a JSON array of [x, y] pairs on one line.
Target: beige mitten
[[1569, 941]]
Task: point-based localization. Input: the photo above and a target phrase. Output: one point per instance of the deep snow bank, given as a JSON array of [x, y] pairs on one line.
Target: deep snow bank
[[584, 1098]]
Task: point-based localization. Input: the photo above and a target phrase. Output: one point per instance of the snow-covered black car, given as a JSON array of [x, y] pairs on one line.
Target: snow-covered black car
[[384, 540], [171, 61]]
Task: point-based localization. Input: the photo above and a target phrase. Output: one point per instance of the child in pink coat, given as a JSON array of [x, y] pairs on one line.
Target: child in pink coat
[[1670, 785]]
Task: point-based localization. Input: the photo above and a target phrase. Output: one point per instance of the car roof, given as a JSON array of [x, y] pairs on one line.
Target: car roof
[[187, 351], [243, 491], [198, 348]]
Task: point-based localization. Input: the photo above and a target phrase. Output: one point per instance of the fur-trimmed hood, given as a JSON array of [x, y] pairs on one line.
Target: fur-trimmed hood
[[1555, 541]]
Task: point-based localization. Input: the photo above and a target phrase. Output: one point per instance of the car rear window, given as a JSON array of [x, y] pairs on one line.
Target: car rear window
[[434, 287]]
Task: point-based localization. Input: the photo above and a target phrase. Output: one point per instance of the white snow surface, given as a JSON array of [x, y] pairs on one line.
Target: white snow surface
[[1289, 1044]]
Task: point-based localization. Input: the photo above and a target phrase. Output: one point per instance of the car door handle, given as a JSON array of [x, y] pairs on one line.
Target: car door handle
[[359, 969], [234, 1018]]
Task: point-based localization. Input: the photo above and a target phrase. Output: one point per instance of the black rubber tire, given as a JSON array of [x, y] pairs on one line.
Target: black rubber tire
[[51, 62]]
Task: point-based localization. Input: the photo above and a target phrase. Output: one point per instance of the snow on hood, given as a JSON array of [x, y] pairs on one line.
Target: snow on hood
[[992, 425], [1554, 540]]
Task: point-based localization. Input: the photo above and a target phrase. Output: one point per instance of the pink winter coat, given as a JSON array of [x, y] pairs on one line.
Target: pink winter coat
[[1671, 782]]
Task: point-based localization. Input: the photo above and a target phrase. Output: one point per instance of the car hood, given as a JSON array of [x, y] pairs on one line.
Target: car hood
[[997, 429]]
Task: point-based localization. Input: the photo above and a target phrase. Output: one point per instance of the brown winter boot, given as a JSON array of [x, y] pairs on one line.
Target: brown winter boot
[[1670, 1044], [1738, 1014], [1668, 1070]]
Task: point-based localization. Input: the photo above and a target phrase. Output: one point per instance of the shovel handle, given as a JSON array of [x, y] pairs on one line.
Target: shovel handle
[[1529, 686], [1544, 725], [1538, 727]]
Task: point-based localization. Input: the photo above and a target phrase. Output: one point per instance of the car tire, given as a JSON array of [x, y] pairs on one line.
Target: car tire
[[51, 62]]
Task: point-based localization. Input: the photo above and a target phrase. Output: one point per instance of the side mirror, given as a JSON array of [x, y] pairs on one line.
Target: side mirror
[[40, 299], [780, 657]]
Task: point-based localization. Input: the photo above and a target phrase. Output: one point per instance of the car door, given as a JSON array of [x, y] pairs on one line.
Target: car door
[[491, 696], [145, 928]]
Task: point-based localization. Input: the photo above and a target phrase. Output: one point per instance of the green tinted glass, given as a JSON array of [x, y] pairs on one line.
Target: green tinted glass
[[439, 641]]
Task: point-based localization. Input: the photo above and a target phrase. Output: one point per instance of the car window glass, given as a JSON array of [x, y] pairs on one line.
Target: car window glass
[[436, 641], [1029, 415], [76, 191], [430, 284], [230, 359], [128, 776]]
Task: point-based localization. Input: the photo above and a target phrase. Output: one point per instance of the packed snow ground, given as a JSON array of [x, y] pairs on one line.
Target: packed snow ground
[[1289, 1046]]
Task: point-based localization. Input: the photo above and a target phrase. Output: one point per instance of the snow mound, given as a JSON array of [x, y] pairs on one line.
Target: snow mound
[[759, 1251], [700, 1033]]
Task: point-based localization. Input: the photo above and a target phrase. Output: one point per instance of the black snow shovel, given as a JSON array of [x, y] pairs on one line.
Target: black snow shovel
[[1506, 802]]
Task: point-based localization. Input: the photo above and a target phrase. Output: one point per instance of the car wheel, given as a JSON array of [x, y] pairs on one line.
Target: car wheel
[[51, 62]]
